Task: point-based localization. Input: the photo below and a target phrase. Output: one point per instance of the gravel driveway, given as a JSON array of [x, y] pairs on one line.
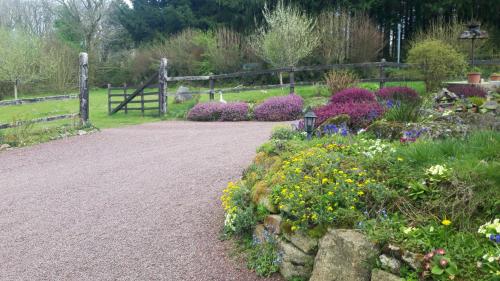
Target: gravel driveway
[[133, 203]]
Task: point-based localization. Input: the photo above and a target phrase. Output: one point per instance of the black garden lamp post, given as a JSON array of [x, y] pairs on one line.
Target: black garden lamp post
[[474, 32], [309, 120]]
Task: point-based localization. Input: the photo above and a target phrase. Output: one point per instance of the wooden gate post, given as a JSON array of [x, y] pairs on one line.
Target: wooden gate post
[[292, 81], [211, 83], [84, 88], [162, 87], [382, 74]]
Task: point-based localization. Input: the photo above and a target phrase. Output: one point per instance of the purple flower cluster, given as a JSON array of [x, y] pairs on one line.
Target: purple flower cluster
[[361, 114], [405, 94], [412, 135], [495, 238], [216, 111], [466, 91], [283, 108], [333, 129], [353, 95]]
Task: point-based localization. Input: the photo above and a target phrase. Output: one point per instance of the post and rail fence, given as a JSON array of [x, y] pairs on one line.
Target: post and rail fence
[[83, 96], [160, 81]]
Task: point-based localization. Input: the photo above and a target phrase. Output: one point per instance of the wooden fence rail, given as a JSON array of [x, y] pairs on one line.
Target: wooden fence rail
[[37, 99], [83, 98], [163, 79], [38, 120]]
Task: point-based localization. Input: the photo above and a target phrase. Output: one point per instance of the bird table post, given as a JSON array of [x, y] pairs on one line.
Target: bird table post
[[84, 88], [212, 88], [162, 91], [382, 73]]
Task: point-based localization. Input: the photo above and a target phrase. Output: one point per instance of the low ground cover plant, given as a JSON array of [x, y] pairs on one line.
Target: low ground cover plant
[[435, 198], [216, 111], [467, 91], [283, 108]]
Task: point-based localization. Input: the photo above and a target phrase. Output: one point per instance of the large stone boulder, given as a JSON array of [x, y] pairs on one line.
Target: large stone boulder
[[302, 241], [380, 275], [343, 255], [295, 263], [182, 95]]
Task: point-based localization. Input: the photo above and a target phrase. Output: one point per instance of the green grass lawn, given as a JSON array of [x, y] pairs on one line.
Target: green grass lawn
[[313, 95]]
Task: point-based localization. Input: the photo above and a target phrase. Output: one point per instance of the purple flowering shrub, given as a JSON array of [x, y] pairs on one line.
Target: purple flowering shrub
[[398, 93], [467, 91], [355, 95], [283, 108], [361, 114], [216, 111]]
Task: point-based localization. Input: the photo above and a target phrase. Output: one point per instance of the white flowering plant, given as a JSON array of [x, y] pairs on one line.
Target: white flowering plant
[[438, 173], [371, 148], [491, 230]]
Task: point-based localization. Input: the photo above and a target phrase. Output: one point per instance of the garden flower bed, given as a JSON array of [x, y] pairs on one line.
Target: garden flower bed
[[435, 200]]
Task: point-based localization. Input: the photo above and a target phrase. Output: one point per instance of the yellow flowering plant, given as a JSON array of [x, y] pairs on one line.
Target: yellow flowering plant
[[319, 185]]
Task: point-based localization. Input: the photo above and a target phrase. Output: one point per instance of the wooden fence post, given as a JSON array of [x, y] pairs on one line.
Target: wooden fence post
[[382, 73], [292, 81], [125, 96], [109, 99], [162, 87], [84, 88], [211, 83]]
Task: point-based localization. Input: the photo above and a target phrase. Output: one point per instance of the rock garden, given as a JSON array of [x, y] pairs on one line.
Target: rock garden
[[392, 186]]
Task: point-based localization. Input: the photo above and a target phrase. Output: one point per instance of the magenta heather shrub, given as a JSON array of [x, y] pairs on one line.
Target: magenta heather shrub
[[353, 95], [361, 114], [216, 111], [398, 93], [234, 111], [282, 108], [467, 91]]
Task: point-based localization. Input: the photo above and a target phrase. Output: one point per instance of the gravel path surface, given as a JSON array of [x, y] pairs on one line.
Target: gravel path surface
[[133, 203]]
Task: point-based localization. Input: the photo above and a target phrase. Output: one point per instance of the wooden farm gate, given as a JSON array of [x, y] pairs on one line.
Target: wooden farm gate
[[140, 93]]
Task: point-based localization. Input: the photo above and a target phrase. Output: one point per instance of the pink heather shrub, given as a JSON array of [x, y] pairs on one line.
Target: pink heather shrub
[[467, 91], [216, 111], [398, 93], [282, 108], [353, 95], [361, 114]]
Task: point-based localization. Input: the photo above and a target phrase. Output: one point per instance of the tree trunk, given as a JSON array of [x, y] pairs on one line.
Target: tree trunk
[[15, 90], [281, 78]]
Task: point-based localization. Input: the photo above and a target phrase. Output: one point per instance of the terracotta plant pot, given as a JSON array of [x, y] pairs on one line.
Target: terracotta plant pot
[[495, 77], [474, 78]]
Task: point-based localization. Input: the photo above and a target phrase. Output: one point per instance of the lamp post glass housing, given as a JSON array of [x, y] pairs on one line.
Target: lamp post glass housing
[[309, 120]]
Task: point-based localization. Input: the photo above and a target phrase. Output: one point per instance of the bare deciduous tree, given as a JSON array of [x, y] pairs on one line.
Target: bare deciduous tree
[[33, 16], [345, 37], [84, 17]]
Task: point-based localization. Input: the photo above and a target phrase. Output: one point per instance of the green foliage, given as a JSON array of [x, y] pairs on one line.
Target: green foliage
[[436, 61], [404, 112], [20, 57], [286, 133]]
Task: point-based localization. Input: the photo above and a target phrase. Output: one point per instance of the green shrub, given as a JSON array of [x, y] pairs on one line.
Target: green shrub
[[264, 258], [404, 112], [286, 133], [338, 80], [436, 61]]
